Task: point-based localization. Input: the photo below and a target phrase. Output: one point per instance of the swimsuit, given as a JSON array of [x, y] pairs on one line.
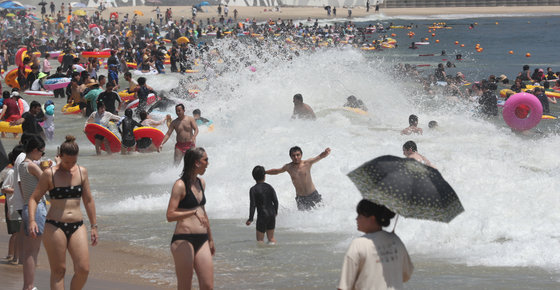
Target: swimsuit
[[66, 192], [308, 202], [184, 146], [190, 202]]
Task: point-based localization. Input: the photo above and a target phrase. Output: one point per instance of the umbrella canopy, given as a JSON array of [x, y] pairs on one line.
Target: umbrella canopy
[[42, 3], [138, 12], [11, 5], [79, 12], [204, 3], [407, 187], [92, 26], [78, 5], [182, 40], [10, 15]]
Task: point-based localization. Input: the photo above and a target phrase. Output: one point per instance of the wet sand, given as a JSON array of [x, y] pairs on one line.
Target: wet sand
[[300, 13], [112, 266]]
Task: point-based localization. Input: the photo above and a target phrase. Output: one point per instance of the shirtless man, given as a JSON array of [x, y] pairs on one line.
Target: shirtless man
[[301, 109], [300, 172], [410, 151], [413, 126], [186, 130]]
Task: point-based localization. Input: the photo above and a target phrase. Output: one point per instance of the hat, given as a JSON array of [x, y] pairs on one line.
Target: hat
[[41, 75], [15, 94], [92, 83], [502, 77]]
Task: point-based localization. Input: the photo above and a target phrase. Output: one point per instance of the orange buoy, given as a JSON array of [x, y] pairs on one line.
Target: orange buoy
[[496, 23], [437, 40], [433, 34], [462, 45], [511, 52], [429, 30], [456, 42], [528, 54], [426, 39], [393, 34]]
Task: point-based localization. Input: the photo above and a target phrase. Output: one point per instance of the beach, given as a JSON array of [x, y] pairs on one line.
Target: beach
[[303, 13], [492, 169]]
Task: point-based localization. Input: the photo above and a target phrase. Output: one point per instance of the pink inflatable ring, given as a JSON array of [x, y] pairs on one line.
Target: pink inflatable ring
[[522, 111]]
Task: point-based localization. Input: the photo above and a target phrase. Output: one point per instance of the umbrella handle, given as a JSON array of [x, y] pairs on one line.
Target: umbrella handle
[[395, 225]]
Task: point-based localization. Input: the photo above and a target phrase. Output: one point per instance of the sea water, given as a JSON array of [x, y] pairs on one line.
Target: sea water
[[508, 237]]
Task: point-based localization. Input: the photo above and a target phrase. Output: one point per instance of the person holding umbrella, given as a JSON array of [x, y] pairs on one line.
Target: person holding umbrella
[[378, 259]]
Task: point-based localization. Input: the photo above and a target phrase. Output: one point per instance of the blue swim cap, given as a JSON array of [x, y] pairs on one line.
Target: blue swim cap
[[50, 110]]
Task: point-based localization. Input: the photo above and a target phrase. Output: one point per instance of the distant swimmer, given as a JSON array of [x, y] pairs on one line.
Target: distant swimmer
[[301, 109], [307, 196], [200, 121], [186, 130], [433, 124], [263, 198], [354, 102], [413, 126], [411, 151]]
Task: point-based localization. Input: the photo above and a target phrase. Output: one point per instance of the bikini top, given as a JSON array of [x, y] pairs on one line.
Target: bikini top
[[64, 192], [190, 201]]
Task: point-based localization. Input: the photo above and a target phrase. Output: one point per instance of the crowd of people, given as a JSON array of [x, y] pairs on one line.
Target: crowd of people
[[185, 44]]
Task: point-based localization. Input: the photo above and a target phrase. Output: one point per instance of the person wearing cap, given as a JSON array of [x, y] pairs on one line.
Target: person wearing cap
[[504, 79], [20, 101], [91, 96], [38, 83]]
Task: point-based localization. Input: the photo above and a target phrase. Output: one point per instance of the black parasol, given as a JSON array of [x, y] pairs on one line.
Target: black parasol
[[407, 187]]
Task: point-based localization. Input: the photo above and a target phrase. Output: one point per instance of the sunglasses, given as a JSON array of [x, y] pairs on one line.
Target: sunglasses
[[42, 152]]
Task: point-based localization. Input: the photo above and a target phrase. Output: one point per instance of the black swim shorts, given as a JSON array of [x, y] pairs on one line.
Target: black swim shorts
[[308, 202]]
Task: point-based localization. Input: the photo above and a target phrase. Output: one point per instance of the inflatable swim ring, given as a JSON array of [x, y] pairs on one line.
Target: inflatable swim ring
[[5, 127], [151, 99], [69, 109], [56, 83], [522, 111], [149, 132], [54, 54], [96, 54], [126, 96], [11, 77], [548, 117], [505, 92], [39, 93], [356, 110], [93, 129]]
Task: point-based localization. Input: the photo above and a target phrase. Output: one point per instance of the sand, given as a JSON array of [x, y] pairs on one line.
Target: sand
[[301, 13], [110, 265]]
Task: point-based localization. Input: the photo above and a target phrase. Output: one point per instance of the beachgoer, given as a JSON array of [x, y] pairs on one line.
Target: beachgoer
[[67, 184], [103, 118], [192, 245], [186, 130], [29, 122], [488, 102], [539, 93], [127, 131], [132, 83], [525, 75], [33, 218], [48, 124], [301, 109], [413, 126], [411, 151], [262, 196], [142, 92], [91, 96], [518, 86], [354, 102], [109, 97], [307, 196], [13, 202], [200, 121], [433, 124], [378, 259]]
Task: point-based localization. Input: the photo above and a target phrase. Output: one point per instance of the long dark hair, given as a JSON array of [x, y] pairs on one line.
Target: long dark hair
[[191, 156]]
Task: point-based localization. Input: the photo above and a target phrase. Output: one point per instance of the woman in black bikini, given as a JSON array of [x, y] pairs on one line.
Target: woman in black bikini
[[192, 245], [67, 184]]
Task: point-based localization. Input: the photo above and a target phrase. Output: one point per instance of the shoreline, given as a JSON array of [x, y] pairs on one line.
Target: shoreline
[[302, 13], [111, 266]]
